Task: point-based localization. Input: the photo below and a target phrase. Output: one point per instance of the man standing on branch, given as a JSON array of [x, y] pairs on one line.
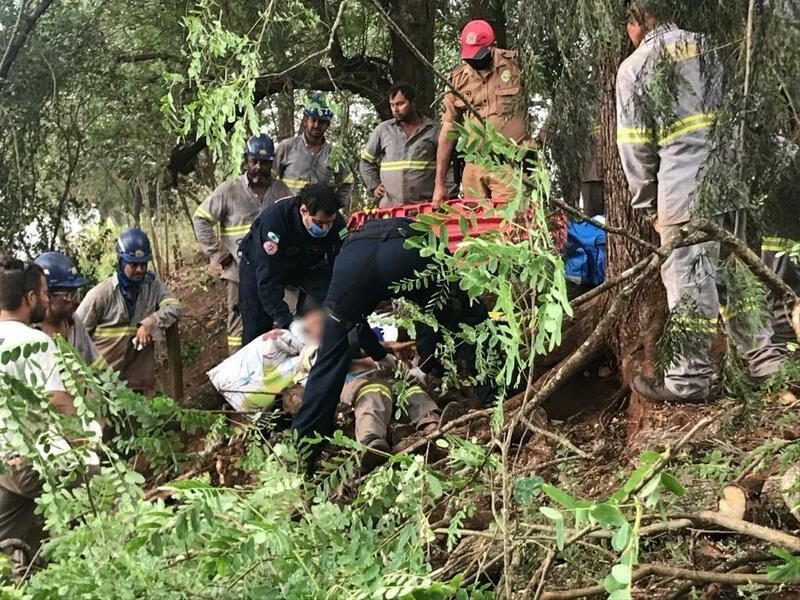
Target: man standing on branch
[[310, 158], [398, 164], [232, 208], [490, 80], [291, 243], [663, 153], [63, 286], [128, 311]]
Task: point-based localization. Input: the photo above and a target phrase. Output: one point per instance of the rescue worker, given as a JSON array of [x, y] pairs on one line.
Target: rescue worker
[[292, 242], [398, 164], [224, 218], [309, 158], [368, 271], [128, 311], [24, 300], [63, 287], [490, 80], [662, 156]]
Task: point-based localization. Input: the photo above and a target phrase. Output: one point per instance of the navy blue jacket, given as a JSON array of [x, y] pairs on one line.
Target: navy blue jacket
[[279, 246]]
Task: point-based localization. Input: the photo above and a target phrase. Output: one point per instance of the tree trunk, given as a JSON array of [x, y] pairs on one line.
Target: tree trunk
[[287, 123], [633, 341], [493, 11], [416, 19]]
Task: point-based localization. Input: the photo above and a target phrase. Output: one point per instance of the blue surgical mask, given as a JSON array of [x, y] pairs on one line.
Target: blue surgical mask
[[318, 231]]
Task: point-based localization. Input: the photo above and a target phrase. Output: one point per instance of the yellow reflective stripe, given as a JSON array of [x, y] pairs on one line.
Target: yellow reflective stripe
[[234, 340], [113, 332], [777, 244], [348, 178], [169, 300], [686, 125], [415, 389], [634, 135], [205, 215], [295, 183], [377, 388], [367, 157], [235, 229], [401, 165], [99, 363]]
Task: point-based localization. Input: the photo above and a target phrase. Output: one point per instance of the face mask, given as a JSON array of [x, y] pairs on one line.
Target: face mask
[[481, 64], [318, 231]]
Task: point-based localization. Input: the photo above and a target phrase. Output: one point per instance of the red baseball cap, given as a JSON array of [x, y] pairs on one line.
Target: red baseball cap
[[476, 38]]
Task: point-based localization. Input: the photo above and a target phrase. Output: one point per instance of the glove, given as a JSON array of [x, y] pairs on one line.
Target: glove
[[419, 375], [388, 363]]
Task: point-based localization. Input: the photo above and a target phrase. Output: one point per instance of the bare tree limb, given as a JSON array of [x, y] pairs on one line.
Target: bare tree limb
[[22, 30]]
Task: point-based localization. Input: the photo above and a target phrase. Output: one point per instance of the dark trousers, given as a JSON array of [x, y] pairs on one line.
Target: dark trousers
[[313, 284], [19, 487], [364, 275]]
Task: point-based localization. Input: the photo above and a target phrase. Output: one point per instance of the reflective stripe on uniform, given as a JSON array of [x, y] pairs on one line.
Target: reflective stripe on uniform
[[348, 178], [777, 244], [415, 389], [378, 388], [368, 157], [402, 165], [235, 230], [234, 340], [638, 135], [168, 300], [205, 215], [295, 183], [114, 331]]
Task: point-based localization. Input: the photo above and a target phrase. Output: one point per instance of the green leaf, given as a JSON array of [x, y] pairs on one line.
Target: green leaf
[[608, 516], [672, 484], [620, 539], [526, 489], [551, 513], [559, 496], [134, 478], [621, 573]]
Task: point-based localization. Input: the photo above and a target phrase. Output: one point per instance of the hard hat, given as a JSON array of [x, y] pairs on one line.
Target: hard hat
[[133, 246], [60, 271], [476, 38], [260, 147], [318, 109]]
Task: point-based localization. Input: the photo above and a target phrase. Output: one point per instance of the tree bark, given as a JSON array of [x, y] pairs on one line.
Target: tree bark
[[493, 11], [633, 341], [416, 18], [22, 30]]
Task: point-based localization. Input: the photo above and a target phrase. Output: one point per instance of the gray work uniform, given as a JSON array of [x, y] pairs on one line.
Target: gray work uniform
[[106, 318], [297, 166], [220, 223], [405, 165], [79, 339], [663, 156], [373, 400]]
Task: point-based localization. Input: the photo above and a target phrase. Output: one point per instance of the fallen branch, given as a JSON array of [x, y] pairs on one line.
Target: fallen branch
[[767, 534], [748, 558], [555, 437]]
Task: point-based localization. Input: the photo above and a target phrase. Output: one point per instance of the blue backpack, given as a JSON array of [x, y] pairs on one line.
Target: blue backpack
[[585, 254]]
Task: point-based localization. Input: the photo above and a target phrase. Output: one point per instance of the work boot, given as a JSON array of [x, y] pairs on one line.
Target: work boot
[[376, 452], [647, 387]]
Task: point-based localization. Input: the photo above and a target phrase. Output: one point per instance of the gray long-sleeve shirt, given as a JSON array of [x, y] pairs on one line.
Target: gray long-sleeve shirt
[[296, 165], [224, 218], [405, 165], [662, 154]]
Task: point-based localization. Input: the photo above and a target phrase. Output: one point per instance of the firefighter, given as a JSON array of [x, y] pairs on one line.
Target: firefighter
[[292, 242], [128, 311], [309, 158], [398, 164], [224, 218], [490, 79], [662, 156], [63, 289], [368, 271]]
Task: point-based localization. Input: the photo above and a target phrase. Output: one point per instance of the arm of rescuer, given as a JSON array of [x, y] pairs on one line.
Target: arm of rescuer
[[168, 311], [270, 269], [205, 220], [369, 166], [637, 145], [444, 150]]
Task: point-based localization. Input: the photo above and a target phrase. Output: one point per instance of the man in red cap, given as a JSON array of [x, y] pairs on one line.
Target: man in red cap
[[489, 79]]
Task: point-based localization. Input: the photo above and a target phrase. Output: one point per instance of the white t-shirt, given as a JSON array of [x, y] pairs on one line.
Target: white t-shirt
[[39, 369]]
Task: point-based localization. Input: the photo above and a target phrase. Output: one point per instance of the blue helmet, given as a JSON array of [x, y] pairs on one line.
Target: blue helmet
[[260, 147], [318, 109], [59, 271], [133, 246]]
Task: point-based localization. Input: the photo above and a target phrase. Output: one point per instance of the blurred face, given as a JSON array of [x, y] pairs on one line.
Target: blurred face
[[313, 322], [258, 172], [315, 128], [135, 271], [636, 32], [38, 301], [63, 302], [403, 109]]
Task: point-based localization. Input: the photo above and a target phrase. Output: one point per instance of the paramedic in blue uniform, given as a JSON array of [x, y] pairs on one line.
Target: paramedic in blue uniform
[[367, 272], [293, 242]]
